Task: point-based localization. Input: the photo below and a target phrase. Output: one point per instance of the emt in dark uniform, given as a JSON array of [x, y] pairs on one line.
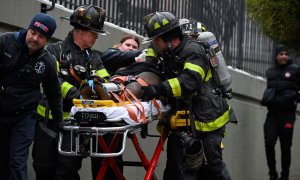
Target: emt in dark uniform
[[24, 66], [77, 64], [190, 87]]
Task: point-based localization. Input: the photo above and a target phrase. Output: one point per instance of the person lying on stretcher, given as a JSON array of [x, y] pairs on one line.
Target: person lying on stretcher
[[133, 77]]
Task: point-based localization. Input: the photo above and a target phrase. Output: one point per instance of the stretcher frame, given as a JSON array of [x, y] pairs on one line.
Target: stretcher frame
[[108, 150]]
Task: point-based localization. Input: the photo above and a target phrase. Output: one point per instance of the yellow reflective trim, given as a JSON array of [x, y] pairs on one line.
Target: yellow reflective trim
[[151, 52], [57, 66], [156, 26], [41, 110], [165, 21], [216, 124], [208, 75], [195, 68], [175, 85], [102, 73], [66, 115], [65, 87]]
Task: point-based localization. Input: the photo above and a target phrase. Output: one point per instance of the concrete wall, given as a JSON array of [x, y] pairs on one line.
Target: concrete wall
[[244, 146]]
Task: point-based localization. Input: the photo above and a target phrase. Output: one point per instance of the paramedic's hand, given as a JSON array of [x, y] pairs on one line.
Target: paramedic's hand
[[154, 91], [141, 57]]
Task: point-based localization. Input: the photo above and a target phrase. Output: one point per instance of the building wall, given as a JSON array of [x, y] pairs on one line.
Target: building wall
[[244, 145]]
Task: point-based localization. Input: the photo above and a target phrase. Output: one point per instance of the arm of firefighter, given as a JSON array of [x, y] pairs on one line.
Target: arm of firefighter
[[100, 69], [69, 91], [196, 70], [151, 55]]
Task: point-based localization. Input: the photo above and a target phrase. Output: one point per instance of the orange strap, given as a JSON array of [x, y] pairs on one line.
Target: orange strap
[[143, 83], [124, 96], [131, 113], [142, 111], [120, 79]]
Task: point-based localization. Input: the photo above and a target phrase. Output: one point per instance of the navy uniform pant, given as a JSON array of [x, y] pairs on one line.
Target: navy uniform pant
[[215, 168], [16, 136], [45, 151], [279, 125]]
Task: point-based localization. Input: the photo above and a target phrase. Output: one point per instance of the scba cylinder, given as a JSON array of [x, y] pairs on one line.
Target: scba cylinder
[[221, 67]]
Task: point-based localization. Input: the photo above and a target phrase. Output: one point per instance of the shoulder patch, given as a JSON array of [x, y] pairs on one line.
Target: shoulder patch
[[39, 67]]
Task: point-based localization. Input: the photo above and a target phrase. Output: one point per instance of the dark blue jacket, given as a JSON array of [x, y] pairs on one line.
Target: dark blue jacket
[[22, 74], [285, 79], [113, 58]]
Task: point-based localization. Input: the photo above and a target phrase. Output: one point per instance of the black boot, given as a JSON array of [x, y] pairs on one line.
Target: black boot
[[284, 178], [273, 176]]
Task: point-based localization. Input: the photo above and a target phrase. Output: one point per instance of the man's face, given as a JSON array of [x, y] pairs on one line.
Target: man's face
[[35, 40], [88, 38], [282, 57], [160, 44]]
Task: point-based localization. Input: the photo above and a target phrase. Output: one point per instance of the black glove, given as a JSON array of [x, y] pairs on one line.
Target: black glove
[[55, 125], [154, 91]]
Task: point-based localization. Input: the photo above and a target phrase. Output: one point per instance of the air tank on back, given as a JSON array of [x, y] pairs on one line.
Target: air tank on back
[[221, 67]]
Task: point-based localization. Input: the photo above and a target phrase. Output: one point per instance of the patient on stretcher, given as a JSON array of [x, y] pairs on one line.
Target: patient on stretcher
[[125, 85]]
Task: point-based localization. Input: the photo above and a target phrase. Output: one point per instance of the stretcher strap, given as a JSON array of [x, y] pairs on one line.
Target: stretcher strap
[[124, 96], [131, 112], [140, 108], [143, 83]]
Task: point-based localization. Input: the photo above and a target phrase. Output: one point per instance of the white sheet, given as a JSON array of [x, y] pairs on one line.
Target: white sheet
[[118, 113]]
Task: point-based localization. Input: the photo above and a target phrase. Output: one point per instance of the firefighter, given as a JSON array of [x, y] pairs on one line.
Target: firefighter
[[190, 87], [189, 27], [77, 64], [24, 65]]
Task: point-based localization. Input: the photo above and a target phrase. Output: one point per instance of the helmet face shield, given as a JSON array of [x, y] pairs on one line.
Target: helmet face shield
[[89, 17], [158, 23]]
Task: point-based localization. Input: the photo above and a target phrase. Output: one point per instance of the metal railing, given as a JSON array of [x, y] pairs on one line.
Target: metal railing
[[243, 46]]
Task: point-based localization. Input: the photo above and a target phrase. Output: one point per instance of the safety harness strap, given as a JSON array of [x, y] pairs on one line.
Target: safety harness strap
[[131, 113], [124, 79]]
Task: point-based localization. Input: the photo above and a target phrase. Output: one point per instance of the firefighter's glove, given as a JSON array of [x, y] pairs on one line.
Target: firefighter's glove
[[73, 94], [56, 125], [154, 91], [85, 90]]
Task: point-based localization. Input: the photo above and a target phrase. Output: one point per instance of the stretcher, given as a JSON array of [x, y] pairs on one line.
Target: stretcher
[[90, 120]]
